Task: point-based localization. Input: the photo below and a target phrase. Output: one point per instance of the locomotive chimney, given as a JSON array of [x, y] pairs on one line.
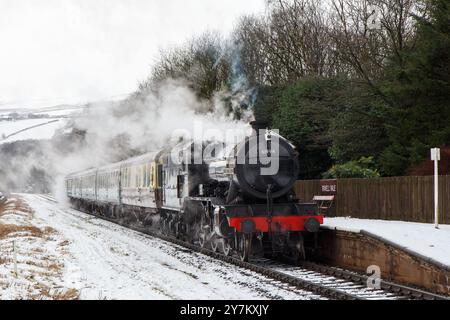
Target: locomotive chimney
[[258, 125]]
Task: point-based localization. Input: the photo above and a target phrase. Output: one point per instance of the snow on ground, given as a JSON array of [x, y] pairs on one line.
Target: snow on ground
[[32, 257], [62, 112], [421, 238], [55, 111], [43, 132], [10, 127], [105, 261], [43, 128], [29, 129]]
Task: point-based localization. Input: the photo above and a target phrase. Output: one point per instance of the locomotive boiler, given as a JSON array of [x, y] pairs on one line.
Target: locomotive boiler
[[236, 198]]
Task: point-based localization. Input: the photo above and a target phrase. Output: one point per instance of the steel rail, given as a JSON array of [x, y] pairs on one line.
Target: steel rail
[[398, 289]]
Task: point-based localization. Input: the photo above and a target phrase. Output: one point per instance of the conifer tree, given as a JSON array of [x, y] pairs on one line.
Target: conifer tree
[[419, 87]]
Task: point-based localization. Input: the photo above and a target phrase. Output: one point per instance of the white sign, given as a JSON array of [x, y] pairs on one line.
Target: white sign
[[436, 154]]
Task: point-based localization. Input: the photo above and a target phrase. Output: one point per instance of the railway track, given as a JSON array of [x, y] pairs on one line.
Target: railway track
[[394, 288], [325, 281]]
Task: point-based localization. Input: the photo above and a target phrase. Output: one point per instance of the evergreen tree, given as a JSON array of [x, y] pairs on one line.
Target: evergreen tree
[[303, 115], [419, 86]]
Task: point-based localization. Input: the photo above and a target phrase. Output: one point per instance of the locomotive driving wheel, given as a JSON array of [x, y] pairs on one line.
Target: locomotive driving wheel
[[202, 238], [225, 246], [203, 233], [215, 244], [298, 252], [244, 241], [178, 229]]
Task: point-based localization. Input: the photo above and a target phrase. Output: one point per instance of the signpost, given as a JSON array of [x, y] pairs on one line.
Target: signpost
[[436, 157]]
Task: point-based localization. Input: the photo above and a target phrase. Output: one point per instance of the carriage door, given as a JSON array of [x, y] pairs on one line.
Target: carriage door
[[160, 188]]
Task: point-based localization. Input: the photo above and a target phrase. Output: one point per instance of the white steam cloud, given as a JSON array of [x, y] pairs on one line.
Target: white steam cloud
[[140, 125]]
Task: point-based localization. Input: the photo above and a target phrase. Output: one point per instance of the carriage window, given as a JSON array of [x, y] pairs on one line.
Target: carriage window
[[150, 176], [136, 176], [146, 176], [143, 176]]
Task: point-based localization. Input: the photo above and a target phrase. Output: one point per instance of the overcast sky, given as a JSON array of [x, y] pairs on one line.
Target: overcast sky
[[67, 51]]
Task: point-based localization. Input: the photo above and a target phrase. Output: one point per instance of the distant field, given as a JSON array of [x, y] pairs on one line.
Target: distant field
[[44, 128]]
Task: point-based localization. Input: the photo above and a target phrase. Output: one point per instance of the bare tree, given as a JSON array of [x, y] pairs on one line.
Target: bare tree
[[290, 42], [297, 39], [366, 49], [199, 62]]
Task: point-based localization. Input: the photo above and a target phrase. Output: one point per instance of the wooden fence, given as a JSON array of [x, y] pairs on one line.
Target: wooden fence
[[399, 198]]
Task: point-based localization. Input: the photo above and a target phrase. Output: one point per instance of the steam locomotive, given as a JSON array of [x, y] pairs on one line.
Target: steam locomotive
[[235, 198]]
